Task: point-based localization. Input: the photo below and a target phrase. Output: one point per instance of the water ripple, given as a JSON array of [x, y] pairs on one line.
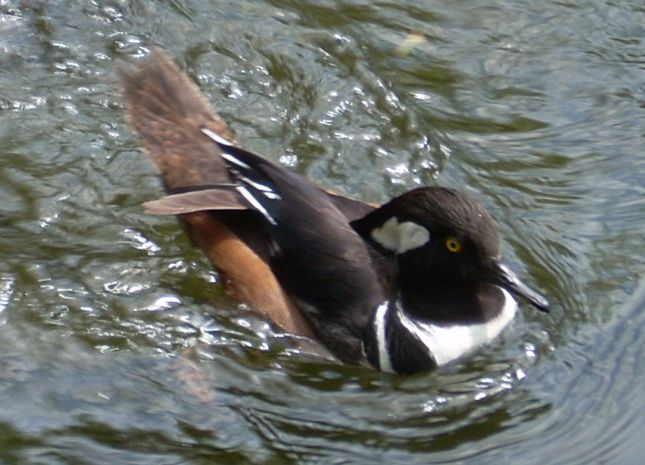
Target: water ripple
[[120, 346]]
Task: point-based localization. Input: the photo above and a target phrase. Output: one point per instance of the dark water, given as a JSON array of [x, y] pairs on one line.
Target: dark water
[[118, 346]]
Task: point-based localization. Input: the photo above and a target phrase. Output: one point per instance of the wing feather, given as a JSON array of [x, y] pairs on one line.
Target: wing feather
[[201, 200]]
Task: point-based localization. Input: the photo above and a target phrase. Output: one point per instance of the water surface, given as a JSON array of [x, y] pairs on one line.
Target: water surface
[[117, 344]]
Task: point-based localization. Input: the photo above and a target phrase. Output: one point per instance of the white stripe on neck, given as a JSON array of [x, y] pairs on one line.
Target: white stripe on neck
[[384, 362], [447, 343]]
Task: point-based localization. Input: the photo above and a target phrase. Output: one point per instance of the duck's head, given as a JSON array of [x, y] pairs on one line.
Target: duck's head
[[441, 236]]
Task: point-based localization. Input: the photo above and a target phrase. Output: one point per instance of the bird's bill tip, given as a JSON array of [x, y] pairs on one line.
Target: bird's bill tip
[[507, 279]]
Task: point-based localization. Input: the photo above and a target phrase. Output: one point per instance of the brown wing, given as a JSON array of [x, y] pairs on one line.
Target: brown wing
[[168, 112], [190, 202]]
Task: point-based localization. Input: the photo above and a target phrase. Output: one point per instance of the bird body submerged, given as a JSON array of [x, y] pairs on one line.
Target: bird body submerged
[[407, 286]]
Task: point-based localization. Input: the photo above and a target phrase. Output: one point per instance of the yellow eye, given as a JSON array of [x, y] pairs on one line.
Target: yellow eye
[[453, 245]]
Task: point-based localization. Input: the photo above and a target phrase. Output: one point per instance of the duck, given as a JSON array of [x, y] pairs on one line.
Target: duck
[[405, 287]]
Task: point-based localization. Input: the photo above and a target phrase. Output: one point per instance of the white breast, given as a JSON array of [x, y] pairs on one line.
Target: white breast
[[447, 343]]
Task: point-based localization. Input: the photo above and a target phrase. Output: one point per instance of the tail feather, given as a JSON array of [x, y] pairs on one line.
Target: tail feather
[[169, 113]]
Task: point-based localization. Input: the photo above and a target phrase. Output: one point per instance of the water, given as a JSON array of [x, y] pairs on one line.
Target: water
[[118, 346]]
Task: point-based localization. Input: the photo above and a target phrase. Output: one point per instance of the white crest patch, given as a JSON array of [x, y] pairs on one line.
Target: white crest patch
[[401, 237]]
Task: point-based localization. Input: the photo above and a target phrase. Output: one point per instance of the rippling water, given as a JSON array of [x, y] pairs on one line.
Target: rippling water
[[117, 345]]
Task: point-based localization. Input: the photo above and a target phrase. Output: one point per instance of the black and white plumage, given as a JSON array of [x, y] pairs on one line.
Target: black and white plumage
[[413, 284]]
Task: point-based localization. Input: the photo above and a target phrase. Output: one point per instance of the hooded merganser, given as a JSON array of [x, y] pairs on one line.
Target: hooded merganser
[[407, 286]]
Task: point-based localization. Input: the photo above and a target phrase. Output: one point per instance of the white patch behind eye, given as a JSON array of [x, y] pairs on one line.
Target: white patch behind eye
[[401, 237]]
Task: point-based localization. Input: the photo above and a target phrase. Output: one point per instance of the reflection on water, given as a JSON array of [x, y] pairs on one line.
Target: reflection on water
[[118, 346]]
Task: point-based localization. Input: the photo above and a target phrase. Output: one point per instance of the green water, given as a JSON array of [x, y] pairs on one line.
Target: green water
[[117, 345]]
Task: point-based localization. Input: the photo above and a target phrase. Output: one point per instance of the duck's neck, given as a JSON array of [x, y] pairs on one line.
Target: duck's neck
[[390, 346], [450, 303], [420, 330]]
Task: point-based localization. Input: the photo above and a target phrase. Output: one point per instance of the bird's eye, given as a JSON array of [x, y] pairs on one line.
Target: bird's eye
[[453, 245]]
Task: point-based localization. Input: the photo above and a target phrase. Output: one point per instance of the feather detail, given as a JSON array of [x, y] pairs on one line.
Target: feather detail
[[203, 200]]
